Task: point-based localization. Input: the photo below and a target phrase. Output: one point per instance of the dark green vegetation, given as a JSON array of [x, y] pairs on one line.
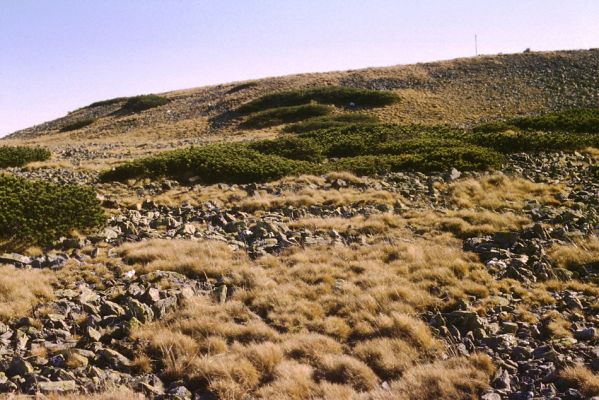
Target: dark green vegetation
[[77, 125], [330, 121], [284, 115], [363, 148], [108, 102], [143, 102], [17, 156], [332, 95], [234, 163], [581, 121], [39, 213]]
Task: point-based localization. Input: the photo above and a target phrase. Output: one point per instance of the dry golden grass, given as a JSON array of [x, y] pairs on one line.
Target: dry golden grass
[[344, 318], [307, 196], [576, 255], [499, 192], [583, 379], [453, 379], [21, 290], [207, 260], [465, 223]]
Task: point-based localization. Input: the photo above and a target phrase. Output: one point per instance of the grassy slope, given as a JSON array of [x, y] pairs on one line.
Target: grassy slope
[[460, 91]]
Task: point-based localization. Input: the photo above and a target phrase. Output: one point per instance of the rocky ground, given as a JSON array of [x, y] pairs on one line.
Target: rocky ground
[[86, 327]]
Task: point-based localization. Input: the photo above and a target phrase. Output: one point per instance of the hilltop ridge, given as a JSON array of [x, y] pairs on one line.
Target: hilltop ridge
[[458, 92]]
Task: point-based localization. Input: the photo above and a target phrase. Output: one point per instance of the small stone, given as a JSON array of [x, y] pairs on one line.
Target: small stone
[[139, 310], [19, 366], [509, 327], [115, 359], [585, 334], [57, 387]]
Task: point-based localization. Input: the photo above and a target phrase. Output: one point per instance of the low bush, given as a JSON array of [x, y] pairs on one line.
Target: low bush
[[143, 102], [582, 121], [108, 102], [39, 213], [291, 147], [17, 156], [232, 163], [78, 125], [330, 121], [284, 115], [334, 95]]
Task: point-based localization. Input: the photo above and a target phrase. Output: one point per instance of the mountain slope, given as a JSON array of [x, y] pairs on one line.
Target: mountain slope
[[456, 92]]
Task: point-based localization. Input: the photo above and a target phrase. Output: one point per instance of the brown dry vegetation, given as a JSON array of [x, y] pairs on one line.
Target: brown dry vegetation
[[576, 255], [499, 192], [583, 379], [342, 318], [21, 290]]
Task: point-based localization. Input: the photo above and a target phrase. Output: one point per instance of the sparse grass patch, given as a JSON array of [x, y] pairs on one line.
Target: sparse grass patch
[[465, 223], [499, 192], [21, 290], [17, 156]]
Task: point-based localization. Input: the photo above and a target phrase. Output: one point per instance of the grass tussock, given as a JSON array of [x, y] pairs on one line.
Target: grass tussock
[[206, 260], [465, 223], [22, 290], [576, 256], [583, 379], [342, 318], [499, 192]]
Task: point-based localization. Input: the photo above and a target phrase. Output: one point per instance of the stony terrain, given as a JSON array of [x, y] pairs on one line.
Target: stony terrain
[[405, 285], [97, 353]]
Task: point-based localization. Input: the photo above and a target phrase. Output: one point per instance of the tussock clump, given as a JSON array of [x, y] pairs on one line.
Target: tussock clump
[[38, 213], [284, 115], [499, 192], [341, 317], [21, 290], [466, 223], [17, 156], [579, 257], [453, 379], [346, 370], [583, 379], [201, 260]]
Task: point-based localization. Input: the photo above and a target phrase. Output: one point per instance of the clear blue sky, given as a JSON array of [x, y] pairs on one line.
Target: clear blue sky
[[58, 55]]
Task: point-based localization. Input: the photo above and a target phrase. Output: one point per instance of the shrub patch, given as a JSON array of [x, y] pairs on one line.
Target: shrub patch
[[17, 156], [39, 213]]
